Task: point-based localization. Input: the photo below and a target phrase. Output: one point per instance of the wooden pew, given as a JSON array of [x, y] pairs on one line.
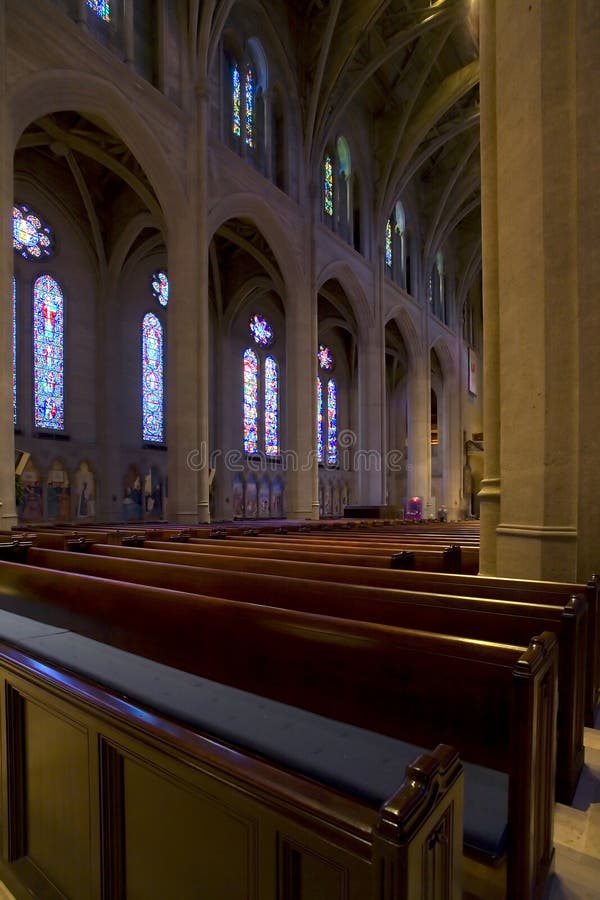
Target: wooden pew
[[506, 621], [525, 590], [111, 798], [252, 551], [497, 701]]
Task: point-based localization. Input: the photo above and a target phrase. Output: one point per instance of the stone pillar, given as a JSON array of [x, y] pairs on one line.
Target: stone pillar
[[452, 437], [587, 205], [489, 494], [299, 460], [535, 76], [188, 362], [8, 516], [369, 456], [418, 481]]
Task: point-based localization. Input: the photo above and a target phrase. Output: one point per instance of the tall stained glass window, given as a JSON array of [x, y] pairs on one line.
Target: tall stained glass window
[[327, 434], [388, 244], [249, 100], [48, 354], [152, 379], [328, 185], [331, 422], [160, 287], [320, 424], [271, 407], [250, 402], [32, 238], [101, 8], [237, 101], [14, 324]]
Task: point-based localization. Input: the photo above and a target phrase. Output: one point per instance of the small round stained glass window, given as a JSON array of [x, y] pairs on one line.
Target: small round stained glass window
[[325, 357], [261, 331], [160, 287], [32, 238]]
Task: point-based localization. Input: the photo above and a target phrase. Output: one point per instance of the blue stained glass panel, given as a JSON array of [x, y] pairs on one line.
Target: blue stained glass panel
[[332, 449], [101, 8], [14, 324], [249, 97], [250, 402], [31, 238], [48, 354], [237, 101], [271, 407], [160, 287], [152, 379], [328, 186], [320, 423], [261, 331], [388, 244]]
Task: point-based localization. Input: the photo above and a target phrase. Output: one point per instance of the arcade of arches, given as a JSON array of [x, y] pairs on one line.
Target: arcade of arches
[[271, 259]]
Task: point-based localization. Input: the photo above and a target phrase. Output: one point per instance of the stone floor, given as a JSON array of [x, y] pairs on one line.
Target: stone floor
[[577, 832]]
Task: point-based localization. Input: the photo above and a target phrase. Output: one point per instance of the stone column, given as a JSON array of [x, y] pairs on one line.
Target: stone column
[[452, 436], [534, 65], [369, 457], [188, 363], [8, 516], [489, 495], [418, 480], [299, 461]]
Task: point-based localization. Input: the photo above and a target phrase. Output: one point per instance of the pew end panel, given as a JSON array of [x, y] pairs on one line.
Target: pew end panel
[[156, 808]]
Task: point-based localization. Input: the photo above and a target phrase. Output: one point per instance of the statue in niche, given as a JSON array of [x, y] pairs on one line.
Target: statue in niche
[[58, 492], [237, 495], [85, 492], [132, 496], [277, 499], [264, 497], [251, 506]]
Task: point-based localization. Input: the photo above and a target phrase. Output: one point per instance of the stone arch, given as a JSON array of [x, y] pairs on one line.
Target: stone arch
[[45, 92], [258, 211], [342, 273]]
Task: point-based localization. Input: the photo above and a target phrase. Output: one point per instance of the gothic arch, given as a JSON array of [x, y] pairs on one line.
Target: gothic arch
[[38, 95]]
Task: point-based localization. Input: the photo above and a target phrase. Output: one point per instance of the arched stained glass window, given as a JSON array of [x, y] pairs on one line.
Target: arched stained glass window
[[160, 287], [332, 453], [152, 379], [320, 422], [328, 186], [101, 8], [388, 244], [14, 329], [237, 101], [249, 100], [48, 354], [271, 407], [250, 402], [32, 239]]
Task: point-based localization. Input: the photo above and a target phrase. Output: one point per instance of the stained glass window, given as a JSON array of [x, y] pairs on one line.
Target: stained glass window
[[249, 98], [14, 350], [250, 402], [325, 357], [160, 287], [271, 407], [388, 244], [152, 379], [48, 354], [328, 186], [331, 422], [31, 238], [320, 429], [261, 331], [101, 8], [237, 101]]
